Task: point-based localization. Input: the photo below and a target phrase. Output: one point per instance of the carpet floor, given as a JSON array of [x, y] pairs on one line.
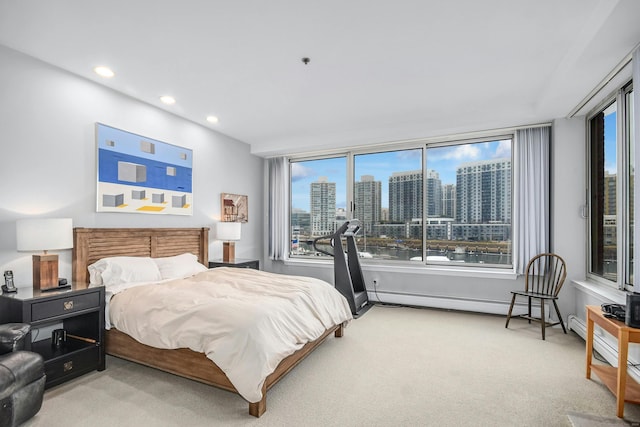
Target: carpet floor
[[395, 366], [583, 420]]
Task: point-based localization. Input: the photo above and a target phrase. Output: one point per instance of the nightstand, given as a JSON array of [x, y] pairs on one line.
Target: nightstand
[[242, 263], [78, 310]]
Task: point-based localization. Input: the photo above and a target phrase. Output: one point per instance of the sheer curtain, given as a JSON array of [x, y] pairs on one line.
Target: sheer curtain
[[278, 208], [531, 158]]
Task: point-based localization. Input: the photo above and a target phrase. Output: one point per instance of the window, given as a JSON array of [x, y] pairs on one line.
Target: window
[[611, 171], [438, 203], [469, 203], [318, 201], [388, 192]]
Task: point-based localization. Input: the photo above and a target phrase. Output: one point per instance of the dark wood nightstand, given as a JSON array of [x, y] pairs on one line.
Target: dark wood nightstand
[[242, 263], [78, 310]]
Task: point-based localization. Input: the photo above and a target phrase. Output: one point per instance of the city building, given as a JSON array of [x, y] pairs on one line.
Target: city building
[[449, 201], [483, 192], [434, 194], [610, 194], [405, 196], [368, 203], [323, 207], [384, 215], [301, 221]]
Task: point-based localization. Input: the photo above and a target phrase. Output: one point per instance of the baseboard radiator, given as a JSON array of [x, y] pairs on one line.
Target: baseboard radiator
[[452, 303], [604, 348]]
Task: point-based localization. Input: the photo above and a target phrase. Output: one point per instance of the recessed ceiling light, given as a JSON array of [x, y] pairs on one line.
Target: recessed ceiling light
[[104, 72], [169, 100], [212, 119]]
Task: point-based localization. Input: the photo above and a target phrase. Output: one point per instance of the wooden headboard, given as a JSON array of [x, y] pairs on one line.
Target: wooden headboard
[[92, 244]]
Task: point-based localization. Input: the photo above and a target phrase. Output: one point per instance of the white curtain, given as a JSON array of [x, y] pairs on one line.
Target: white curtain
[[531, 158], [278, 208]]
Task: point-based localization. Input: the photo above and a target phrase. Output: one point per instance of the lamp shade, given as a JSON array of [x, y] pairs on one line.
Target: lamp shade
[[37, 234], [228, 231]]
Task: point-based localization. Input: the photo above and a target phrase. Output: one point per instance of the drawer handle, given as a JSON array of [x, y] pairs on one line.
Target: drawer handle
[[67, 366], [68, 305]]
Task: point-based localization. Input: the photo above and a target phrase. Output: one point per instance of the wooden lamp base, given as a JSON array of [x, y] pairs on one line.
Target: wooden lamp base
[[229, 251], [45, 271]]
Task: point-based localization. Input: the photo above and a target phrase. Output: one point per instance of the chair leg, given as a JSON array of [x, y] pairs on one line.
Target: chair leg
[[543, 321], [513, 301], [559, 316], [529, 312]]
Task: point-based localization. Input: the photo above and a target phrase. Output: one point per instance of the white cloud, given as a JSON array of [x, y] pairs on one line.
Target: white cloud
[[299, 171], [463, 152], [409, 154], [504, 148]]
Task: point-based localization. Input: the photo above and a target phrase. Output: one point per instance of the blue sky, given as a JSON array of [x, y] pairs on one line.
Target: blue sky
[[444, 160], [610, 139]]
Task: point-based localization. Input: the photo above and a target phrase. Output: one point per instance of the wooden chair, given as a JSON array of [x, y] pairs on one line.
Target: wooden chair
[[543, 280]]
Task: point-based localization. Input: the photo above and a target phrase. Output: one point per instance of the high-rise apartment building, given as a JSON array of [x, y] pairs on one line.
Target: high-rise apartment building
[[405, 196], [368, 203], [610, 194], [610, 217], [449, 201], [483, 192], [323, 207], [434, 194]]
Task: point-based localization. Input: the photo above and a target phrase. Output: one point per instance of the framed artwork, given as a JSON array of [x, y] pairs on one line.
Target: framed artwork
[[137, 174], [235, 208]]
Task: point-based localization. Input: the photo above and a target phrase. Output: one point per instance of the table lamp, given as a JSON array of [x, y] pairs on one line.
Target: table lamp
[[35, 234], [228, 232]]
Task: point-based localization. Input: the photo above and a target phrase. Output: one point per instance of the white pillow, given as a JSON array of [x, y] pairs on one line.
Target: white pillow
[[179, 266], [116, 270]]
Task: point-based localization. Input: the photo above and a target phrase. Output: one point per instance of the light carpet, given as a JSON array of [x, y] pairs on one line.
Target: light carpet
[[394, 366], [582, 420]]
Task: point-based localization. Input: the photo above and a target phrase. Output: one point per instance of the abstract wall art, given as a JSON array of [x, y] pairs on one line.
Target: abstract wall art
[[137, 174]]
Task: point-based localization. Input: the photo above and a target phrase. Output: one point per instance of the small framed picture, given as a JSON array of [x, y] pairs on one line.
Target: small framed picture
[[235, 207]]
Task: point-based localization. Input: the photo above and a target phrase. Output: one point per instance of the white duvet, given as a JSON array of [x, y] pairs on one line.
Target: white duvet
[[246, 321]]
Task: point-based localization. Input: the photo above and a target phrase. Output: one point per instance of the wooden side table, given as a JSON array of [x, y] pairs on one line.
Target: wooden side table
[[615, 378], [79, 311]]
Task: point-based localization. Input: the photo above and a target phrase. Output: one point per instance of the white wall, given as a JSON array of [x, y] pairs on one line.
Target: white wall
[[477, 291], [48, 153], [569, 228]]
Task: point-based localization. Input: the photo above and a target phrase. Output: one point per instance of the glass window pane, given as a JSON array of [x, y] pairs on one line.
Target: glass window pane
[[318, 202], [469, 203], [603, 188], [387, 195]]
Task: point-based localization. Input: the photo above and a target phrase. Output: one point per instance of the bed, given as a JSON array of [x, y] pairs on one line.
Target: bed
[[94, 244]]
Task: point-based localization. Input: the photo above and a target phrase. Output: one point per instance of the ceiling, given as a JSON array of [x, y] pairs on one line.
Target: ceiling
[[379, 71]]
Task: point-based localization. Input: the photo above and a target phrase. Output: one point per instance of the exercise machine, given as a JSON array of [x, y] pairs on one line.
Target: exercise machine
[[348, 278]]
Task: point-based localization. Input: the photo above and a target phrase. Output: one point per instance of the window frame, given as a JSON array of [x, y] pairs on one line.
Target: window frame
[[292, 159], [423, 145], [624, 139]]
